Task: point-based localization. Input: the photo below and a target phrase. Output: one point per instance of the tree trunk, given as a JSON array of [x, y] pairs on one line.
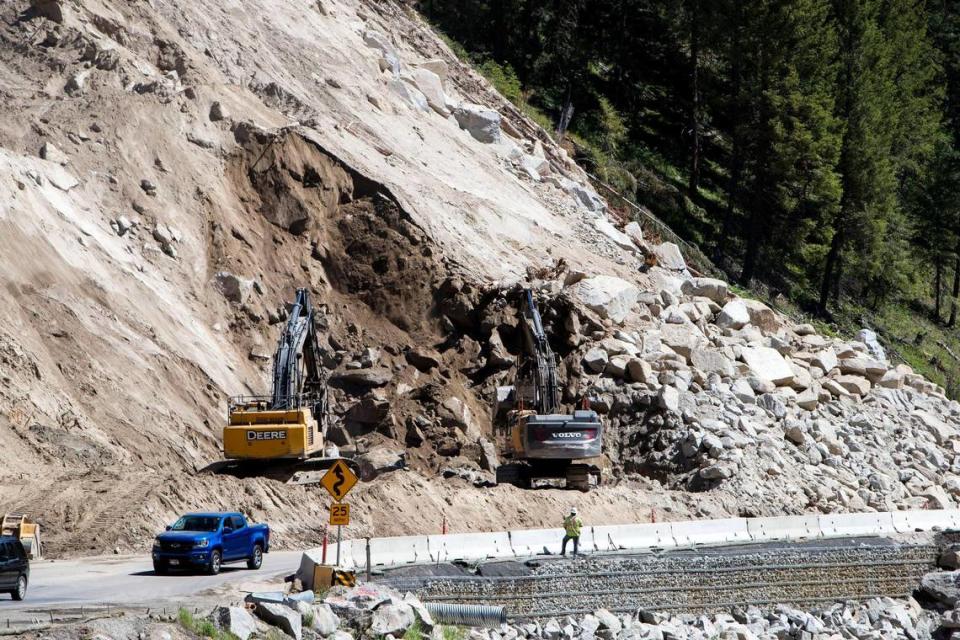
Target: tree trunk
[[937, 287], [956, 289], [566, 115], [829, 269], [694, 12]]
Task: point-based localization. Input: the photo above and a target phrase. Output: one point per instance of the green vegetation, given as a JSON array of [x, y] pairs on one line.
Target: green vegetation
[[810, 148], [414, 632], [451, 632], [202, 628], [308, 619]]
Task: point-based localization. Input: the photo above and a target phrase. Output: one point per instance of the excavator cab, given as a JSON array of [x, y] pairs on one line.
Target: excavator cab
[[291, 422]]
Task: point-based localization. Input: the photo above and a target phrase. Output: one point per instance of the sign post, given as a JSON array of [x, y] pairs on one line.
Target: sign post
[[338, 480]]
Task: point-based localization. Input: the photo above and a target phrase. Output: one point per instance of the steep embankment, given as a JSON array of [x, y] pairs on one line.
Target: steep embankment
[[172, 172]]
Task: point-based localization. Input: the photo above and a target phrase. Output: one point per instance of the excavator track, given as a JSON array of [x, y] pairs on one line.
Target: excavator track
[[293, 472]]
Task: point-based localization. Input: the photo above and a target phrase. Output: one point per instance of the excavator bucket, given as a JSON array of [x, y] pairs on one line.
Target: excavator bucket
[[20, 526]]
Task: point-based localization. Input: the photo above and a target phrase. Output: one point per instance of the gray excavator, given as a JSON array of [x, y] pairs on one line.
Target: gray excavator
[[537, 440]]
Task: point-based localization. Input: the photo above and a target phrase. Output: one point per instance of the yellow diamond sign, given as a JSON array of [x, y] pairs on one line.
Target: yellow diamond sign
[[338, 480]]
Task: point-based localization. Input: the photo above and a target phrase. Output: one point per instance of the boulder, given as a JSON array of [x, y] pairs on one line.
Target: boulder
[[608, 621], [866, 367], [668, 399], [711, 288], [372, 377], [394, 618], [719, 471], [325, 621], [233, 287], [281, 616], [217, 112], [767, 364], [481, 123], [940, 430], [762, 316], [431, 87], [709, 361], [52, 153], [389, 59], [635, 232], [943, 586], [616, 367], [639, 371], [855, 385], [825, 360], [438, 66], [869, 338], [380, 460], [236, 620], [595, 359], [410, 94], [804, 330], [892, 379], [774, 404], [609, 296], [809, 398], [682, 338], [734, 315], [743, 391], [669, 257], [619, 238]]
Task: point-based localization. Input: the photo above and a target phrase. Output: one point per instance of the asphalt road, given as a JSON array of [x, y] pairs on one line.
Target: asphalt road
[[129, 580]]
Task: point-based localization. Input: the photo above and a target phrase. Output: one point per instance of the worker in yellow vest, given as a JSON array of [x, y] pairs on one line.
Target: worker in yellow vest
[[571, 526]]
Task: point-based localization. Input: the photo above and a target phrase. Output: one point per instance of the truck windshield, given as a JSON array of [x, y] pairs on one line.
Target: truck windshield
[[197, 523]]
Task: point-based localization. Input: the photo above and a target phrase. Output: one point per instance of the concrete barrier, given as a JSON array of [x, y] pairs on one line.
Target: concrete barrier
[[470, 547], [784, 528], [910, 521], [535, 542], [522, 543], [856, 524], [634, 536], [702, 532], [389, 552]]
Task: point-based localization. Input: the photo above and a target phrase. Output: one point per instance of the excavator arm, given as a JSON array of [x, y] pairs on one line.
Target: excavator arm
[[297, 371], [539, 365]]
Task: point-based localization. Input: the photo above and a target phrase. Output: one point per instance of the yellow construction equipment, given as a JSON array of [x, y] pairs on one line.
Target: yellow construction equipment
[[19, 526], [290, 423]]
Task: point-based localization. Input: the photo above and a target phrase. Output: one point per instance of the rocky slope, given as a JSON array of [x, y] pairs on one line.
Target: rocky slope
[[172, 171]]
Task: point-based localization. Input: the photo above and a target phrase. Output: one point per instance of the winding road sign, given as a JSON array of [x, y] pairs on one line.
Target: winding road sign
[[338, 480]]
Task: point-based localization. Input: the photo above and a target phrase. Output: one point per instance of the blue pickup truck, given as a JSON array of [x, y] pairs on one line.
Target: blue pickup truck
[[207, 541]]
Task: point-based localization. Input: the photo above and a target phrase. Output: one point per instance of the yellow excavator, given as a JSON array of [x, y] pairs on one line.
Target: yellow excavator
[[23, 529], [291, 423]]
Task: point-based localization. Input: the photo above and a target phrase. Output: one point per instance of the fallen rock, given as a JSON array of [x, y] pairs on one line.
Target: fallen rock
[[734, 315], [394, 618], [380, 460], [325, 621], [761, 316], [669, 257], [52, 153], [389, 59], [373, 377], [281, 616], [608, 621], [711, 288], [872, 342], [595, 359], [635, 232], [482, 123], [854, 385], [410, 95], [767, 364], [943, 586], [609, 296], [774, 404], [233, 287], [668, 399], [639, 371], [431, 87], [236, 620], [709, 361]]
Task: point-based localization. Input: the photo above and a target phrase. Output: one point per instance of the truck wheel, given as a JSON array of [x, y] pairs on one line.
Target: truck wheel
[[256, 560], [160, 567], [214, 567], [20, 592]]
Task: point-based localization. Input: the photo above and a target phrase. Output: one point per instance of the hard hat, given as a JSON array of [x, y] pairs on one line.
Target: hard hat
[[573, 511]]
